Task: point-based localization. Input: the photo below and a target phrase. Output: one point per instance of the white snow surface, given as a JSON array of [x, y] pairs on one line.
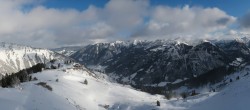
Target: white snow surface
[[66, 52], [69, 93], [235, 96], [17, 57]]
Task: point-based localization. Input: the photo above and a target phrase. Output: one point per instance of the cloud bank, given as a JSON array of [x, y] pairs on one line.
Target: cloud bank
[[40, 26], [185, 21]]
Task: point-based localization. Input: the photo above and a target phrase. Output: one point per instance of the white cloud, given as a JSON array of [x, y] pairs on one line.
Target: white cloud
[[49, 27], [125, 13], [170, 22]]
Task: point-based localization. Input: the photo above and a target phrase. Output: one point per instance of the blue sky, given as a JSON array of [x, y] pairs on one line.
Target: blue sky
[[55, 23], [232, 7], [76, 4]]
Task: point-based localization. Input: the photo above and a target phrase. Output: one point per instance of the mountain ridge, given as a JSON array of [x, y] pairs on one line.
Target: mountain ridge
[[161, 61], [15, 57]]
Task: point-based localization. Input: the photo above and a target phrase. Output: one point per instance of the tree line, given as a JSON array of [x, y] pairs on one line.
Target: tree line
[[211, 77], [10, 80]]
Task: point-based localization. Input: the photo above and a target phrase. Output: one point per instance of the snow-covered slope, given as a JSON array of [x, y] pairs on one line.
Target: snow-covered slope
[[69, 93], [228, 96], [67, 51], [17, 57], [235, 96]]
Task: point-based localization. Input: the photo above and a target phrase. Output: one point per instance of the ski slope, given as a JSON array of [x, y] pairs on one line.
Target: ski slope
[[69, 93]]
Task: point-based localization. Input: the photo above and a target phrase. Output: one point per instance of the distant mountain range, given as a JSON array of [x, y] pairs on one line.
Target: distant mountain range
[[157, 64], [162, 62], [67, 51], [138, 63]]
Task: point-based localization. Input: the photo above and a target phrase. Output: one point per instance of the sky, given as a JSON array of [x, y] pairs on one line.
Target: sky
[[56, 23]]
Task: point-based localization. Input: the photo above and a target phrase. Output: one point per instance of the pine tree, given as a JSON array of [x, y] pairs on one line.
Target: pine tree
[[230, 80], [35, 79], [213, 90], [169, 95], [30, 78], [85, 82], [238, 77], [158, 103], [193, 93], [59, 65], [14, 80], [4, 82], [184, 95]]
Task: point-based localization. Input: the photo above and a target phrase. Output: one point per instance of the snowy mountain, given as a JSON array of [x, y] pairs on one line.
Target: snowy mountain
[[66, 89], [17, 57], [161, 62], [67, 51], [70, 92], [76, 88]]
